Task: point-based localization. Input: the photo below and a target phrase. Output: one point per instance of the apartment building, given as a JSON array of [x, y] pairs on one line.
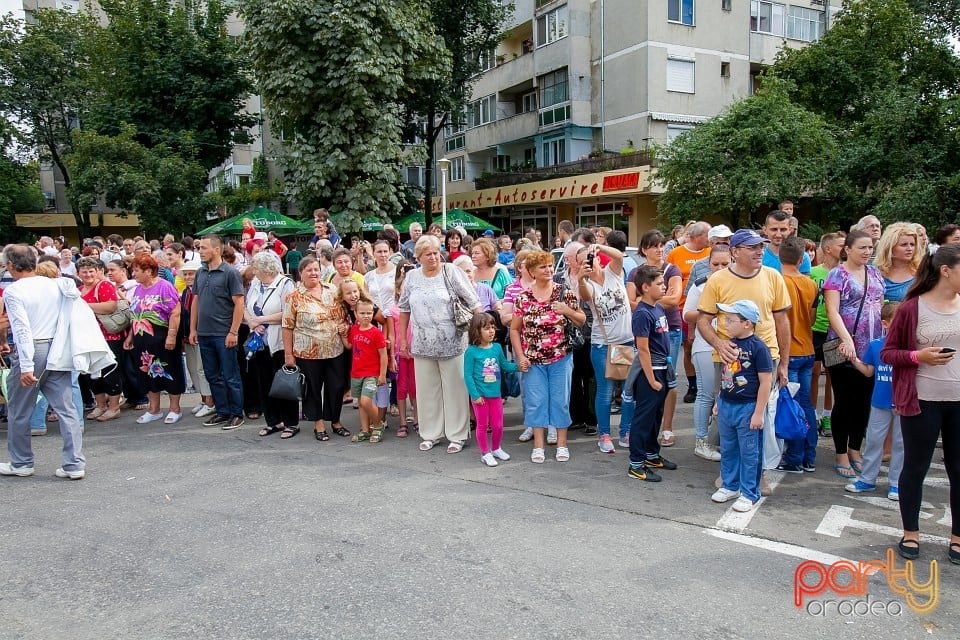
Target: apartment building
[[571, 102]]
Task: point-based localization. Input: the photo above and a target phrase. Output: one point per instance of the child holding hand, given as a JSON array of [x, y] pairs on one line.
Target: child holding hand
[[483, 364]]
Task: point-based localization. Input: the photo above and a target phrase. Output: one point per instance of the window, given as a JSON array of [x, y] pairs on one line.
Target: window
[[674, 130], [766, 17], [501, 163], [530, 156], [453, 144], [553, 88], [481, 111], [486, 60], [552, 26], [414, 176], [724, 69], [529, 102], [555, 115], [455, 124], [554, 152], [680, 75], [457, 172], [726, 5], [805, 24], [680, 11]]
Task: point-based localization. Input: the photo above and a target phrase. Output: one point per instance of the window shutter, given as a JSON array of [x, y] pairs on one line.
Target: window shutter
[[680, 75]]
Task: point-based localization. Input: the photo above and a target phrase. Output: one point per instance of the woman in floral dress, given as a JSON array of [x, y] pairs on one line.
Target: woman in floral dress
[[153, 336]]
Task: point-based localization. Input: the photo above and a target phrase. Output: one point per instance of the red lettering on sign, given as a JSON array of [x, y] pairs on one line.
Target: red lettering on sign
[[621, 181]]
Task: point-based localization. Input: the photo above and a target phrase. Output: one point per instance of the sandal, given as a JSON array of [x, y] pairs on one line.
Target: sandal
[[253, 415], [667, 439], [857, 465], [537, 457], [909, 549], [268, 431], [402, 431], [394, 410], [322, 436], [455, 447], [376, 435], [289, 432], [426, 445], [953, 552], [363, 436], [845, 471], [340, 431]]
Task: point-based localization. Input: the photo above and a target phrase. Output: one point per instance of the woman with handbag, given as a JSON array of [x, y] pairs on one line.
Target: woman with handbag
[[313, 327], [603, 289], [429, 302], [853, 294], [262, 313], [539, 337], [101, 296]]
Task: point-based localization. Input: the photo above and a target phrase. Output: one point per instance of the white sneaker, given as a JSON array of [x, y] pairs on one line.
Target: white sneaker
[[526, 436], [744, 504], [500, 454], [73, 475], [7, 469], [724, 495], [205, 411], [605, 444], [551, 436], [488, 460], [197, 408], [705, 451]]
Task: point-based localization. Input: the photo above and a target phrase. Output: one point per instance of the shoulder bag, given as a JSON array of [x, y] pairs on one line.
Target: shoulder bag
[[831, 348], [574, 334], [462, 314], [117, 320]]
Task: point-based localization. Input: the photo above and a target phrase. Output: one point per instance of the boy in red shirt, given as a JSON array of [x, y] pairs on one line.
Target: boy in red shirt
[[368, 370]]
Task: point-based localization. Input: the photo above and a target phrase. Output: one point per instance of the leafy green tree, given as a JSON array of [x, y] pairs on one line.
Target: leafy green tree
[[170, 70], [760, 149], [467, 27], [44, 86], [19, 193], [163, 187], [333, 76]]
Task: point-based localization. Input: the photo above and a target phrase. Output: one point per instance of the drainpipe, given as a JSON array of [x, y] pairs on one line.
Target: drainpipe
[[603, 79]]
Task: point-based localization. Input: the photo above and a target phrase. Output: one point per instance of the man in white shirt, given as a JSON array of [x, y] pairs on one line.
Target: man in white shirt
[[31, 304]]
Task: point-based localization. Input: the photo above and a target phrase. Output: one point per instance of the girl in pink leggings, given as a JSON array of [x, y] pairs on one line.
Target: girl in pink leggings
[[483, 364], [406, 380]]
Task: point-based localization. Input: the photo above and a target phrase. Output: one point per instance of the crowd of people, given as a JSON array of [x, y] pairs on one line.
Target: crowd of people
[[436, 332]]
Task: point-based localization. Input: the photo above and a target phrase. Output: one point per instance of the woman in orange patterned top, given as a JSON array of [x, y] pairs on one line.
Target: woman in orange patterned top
[[313, 330]]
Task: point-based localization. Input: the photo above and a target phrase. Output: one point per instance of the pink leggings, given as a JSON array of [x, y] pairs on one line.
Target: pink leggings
[[490, 413], [406, 380]]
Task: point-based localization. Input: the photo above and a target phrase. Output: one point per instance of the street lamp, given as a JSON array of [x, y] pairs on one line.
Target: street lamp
[[444, 165]]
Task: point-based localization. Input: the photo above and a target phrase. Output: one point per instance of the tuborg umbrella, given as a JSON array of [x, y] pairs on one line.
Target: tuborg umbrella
[[263, 219], [455, 218]]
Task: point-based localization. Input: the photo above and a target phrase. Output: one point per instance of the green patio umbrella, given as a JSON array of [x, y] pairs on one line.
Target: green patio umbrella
[[263, 219], [455, 218], [369, 223]]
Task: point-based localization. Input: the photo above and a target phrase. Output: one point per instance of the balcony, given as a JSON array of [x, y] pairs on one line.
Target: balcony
[[606, 162], [510, 72], [522, 125]]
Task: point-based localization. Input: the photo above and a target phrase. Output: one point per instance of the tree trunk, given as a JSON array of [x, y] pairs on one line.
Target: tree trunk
[[82, 218], [430, 133]]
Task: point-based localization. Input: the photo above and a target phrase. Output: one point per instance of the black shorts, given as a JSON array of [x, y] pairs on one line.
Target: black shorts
[[819, 337]]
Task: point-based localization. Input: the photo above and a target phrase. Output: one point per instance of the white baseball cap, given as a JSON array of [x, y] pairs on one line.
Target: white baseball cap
[[719, 231]]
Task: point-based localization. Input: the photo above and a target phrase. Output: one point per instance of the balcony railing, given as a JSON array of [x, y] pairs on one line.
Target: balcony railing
[[607, 162]]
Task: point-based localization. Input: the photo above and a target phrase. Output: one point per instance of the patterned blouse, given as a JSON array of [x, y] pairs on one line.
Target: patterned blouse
[[315, 322], [152, 306], [427, 300], [543, 335]]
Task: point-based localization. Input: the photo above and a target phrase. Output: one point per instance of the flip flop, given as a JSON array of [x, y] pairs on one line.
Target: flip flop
[[845, 471], [269, 431]]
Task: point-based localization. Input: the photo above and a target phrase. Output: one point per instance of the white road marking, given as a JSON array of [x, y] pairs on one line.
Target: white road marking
[[928, 481], [838, 518], [947, 519], [784, 548], [890, 505], [738, 522]]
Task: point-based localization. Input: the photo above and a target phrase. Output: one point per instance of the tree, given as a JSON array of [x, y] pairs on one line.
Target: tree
[[163, 187], [760, 149], [885, 78], [468, 28], [19, 193], [333, 76], [171, 71], [43, 84]]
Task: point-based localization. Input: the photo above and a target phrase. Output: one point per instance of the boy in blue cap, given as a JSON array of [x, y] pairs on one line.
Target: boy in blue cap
[[744, 390]]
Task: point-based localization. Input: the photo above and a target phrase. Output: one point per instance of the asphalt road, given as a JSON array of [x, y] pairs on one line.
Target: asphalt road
[[188, 531]]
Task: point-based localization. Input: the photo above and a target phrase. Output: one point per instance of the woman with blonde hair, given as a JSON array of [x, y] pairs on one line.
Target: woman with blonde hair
[[898, 258], [487, 270]]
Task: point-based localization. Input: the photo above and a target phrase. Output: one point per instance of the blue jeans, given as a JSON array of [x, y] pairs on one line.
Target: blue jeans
[[546, 394], [647, 418], [802, 450], [38, 419], [741, 448], [706, 370], [222, 369], [604, 397], [676, 341]]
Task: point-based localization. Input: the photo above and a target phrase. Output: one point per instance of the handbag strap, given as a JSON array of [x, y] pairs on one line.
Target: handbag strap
[[866, 285]]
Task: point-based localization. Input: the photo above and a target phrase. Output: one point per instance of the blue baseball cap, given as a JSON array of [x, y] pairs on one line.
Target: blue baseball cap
[[746, 238], [746, 308]]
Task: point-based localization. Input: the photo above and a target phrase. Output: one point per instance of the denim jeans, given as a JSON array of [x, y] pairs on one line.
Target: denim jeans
[[802, 450], [222, 369], [647, 417], [706, 370], [741, 449], [38, 419], [676, 341], [604, 398]]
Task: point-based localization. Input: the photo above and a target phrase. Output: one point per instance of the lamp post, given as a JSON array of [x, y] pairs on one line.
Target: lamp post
[[444, 165]]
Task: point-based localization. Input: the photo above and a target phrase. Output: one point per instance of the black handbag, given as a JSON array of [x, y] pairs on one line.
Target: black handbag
[[287, 384], [576, 336]]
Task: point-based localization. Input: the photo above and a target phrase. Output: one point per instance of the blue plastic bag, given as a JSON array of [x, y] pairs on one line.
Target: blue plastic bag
[[510, 384], [790, 422]]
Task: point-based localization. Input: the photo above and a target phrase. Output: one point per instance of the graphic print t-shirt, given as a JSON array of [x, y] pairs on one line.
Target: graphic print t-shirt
[[740, 380], [366, 354]]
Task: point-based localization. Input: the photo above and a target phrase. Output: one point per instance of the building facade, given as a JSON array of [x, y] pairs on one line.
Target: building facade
[[581, 90]]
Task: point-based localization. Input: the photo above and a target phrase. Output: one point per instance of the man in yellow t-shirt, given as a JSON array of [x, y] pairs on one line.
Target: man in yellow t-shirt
[[684, 257], [748, 279]]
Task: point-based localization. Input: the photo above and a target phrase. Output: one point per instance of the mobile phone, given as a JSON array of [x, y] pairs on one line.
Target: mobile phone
[[590, 258], [948, 350]]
